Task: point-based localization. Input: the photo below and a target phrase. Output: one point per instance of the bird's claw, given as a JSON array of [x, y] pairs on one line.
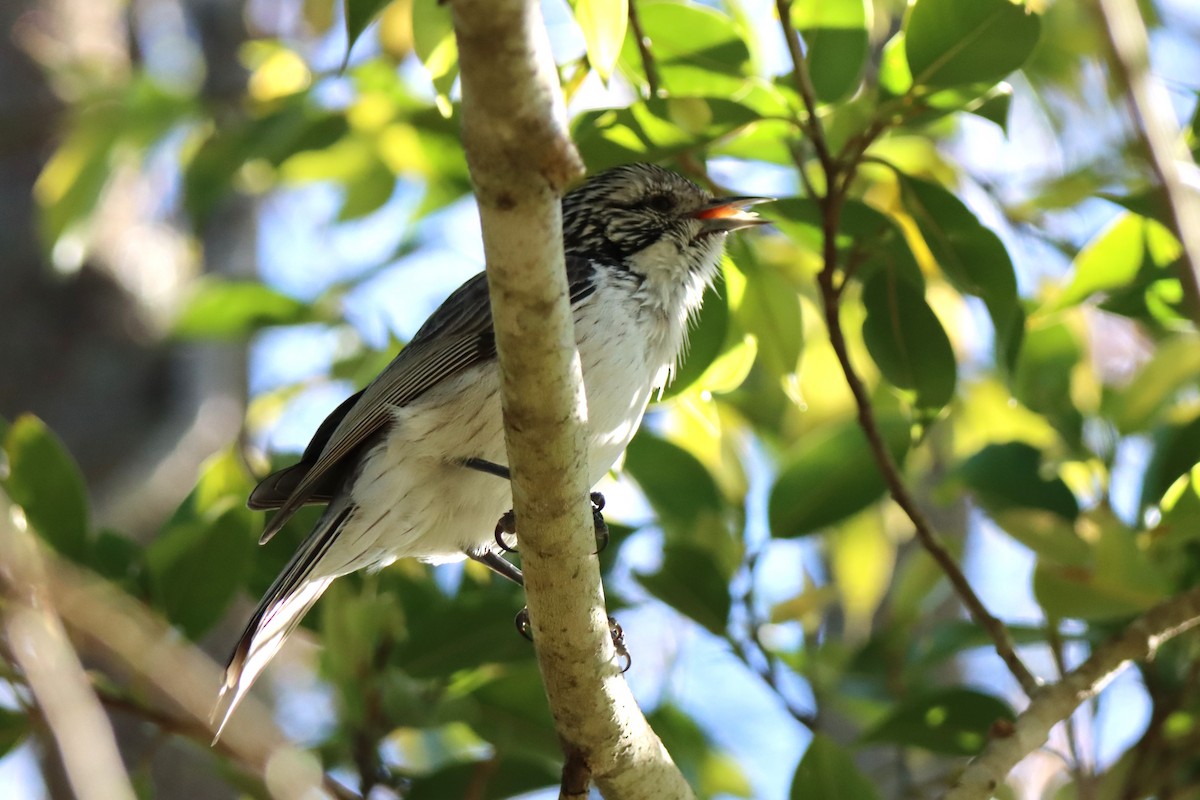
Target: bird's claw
[[598, 521], [507, 526], [618, 639], [522, 623], [614, 629]]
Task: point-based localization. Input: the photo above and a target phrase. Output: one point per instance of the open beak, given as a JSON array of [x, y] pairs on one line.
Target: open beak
[[728, 214]]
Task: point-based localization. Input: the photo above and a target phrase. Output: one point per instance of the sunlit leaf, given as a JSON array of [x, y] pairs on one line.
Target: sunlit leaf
[[44, 480], [952, 721], [908, 342], [1116, 255], [835, 35], [697, 50], [831, 475], [603, 23], [950, 42], [435, 45], [655, 129], [828, 770], [1172, 370], [1176, 451]]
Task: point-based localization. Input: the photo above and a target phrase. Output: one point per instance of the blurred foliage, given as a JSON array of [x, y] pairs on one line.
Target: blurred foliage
[[1029, 396]]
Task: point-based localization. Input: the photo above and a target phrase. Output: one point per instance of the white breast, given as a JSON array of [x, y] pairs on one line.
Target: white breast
[[413, 496]]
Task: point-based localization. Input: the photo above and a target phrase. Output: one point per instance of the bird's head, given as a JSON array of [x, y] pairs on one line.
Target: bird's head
[[652, 221]]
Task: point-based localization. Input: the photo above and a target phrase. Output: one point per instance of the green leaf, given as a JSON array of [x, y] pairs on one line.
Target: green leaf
[[708, 769], [831, 475], [435, 45], [951, 42], [1115, 256], [770, 310], [1121, 580], [654, 130], [950, 721], [1176, 451], [603, 23], [116, 556], [1008, 476], [359, 14], [1167, 376], [436, 645], [367, 193], [871, 239], [835, 35], [677, 485], [513, 715], [232, 310], [972, 257], [828, 771], [1042, 379], [948, 638], [907, 341], [692, 583], [45, 482], [697, 50], [197, 565], [507, 777], [14, 727]]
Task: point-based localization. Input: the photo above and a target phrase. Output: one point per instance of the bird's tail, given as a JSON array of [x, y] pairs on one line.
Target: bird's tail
[[284, 605]]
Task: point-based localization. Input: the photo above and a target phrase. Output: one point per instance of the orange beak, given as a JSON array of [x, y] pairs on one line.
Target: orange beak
[[728, 214]]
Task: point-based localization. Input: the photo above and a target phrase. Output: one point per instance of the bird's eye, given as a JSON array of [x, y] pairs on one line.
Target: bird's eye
[[659, 202]]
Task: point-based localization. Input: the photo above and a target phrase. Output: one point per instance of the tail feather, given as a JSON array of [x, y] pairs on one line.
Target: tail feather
[[281, 609]]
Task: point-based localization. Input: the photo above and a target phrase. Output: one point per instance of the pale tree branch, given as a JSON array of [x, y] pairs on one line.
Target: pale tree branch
[[1158, 131], [1053, 704], [130, 641], [39, 645], [521, 161]]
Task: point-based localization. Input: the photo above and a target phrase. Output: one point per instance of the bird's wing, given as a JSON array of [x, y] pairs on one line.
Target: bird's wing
[[455, 337]]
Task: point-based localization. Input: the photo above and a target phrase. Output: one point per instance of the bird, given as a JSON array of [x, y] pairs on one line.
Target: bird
[[412, 465]]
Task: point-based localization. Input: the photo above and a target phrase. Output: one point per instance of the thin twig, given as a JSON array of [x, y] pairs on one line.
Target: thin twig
[[899, 491], [643, 43], [1150, 107], [1139, 641], [839, 175], [1078, 769], [804, 86]]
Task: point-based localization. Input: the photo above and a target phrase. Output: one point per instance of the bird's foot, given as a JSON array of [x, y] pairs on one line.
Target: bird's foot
[[614, 629], [507, 526]]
